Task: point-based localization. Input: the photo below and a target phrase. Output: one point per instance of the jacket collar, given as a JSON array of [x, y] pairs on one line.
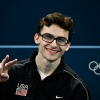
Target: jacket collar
[[60, 67]]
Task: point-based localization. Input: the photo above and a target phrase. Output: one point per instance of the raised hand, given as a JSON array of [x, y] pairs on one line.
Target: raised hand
[[4, 66]]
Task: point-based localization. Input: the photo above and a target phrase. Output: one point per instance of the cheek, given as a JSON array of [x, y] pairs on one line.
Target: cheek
[[63, 49], [42, 47]]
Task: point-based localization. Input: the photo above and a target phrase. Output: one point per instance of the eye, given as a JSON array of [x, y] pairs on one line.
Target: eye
[[48, 36], [62, 40]]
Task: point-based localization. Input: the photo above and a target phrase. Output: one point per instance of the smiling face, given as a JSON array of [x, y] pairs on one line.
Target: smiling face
[[51, 51]]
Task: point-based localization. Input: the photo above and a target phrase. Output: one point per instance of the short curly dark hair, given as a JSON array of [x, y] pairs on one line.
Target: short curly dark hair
[[59, 19]]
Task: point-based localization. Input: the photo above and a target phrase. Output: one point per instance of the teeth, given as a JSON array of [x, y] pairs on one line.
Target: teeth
[[52, 51]]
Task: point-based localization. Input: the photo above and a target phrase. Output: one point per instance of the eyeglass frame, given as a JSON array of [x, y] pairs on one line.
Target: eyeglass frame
[[42, 35]]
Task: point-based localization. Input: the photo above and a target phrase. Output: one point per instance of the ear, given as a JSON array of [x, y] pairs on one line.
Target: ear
[[36, 38], [68, 46]]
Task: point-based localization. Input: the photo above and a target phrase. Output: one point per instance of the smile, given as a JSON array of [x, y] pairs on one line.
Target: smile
[[52, 51]]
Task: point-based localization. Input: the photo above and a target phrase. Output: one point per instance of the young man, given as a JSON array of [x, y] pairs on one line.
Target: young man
[[44, 76]]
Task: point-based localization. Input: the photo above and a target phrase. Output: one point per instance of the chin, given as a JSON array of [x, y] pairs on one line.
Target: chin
[[51, 59]]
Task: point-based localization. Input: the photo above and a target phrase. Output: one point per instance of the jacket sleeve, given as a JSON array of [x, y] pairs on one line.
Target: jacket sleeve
[[81, 92], [7, 87], [4, 91]]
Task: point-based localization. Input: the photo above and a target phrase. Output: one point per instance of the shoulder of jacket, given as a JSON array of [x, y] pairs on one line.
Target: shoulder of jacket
[[76, 78], [20, 64], [23, 61], [68, 71]]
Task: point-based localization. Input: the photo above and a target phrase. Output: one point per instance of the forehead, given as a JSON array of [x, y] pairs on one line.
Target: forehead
[[55, 30]]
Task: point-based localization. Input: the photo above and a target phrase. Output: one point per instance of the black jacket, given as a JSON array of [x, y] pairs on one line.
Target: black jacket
[[25, 83]]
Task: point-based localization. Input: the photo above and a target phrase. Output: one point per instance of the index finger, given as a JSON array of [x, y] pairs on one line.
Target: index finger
[[10, 63]]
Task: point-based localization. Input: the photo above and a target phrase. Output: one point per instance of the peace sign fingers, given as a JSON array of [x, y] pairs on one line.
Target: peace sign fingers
[[4, 66]]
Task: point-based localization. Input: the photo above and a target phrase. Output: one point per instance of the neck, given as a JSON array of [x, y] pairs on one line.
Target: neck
[[45, 66]]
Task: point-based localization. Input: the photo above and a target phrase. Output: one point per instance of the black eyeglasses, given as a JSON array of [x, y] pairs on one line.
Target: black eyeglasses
[[62, 41]]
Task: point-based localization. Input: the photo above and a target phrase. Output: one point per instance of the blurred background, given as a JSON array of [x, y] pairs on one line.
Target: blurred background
[[18, 24]]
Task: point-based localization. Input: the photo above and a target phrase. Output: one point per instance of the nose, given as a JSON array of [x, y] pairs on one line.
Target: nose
[[54, 43]]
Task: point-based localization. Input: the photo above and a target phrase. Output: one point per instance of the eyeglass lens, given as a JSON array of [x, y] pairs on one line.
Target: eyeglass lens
[[50, 38]]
